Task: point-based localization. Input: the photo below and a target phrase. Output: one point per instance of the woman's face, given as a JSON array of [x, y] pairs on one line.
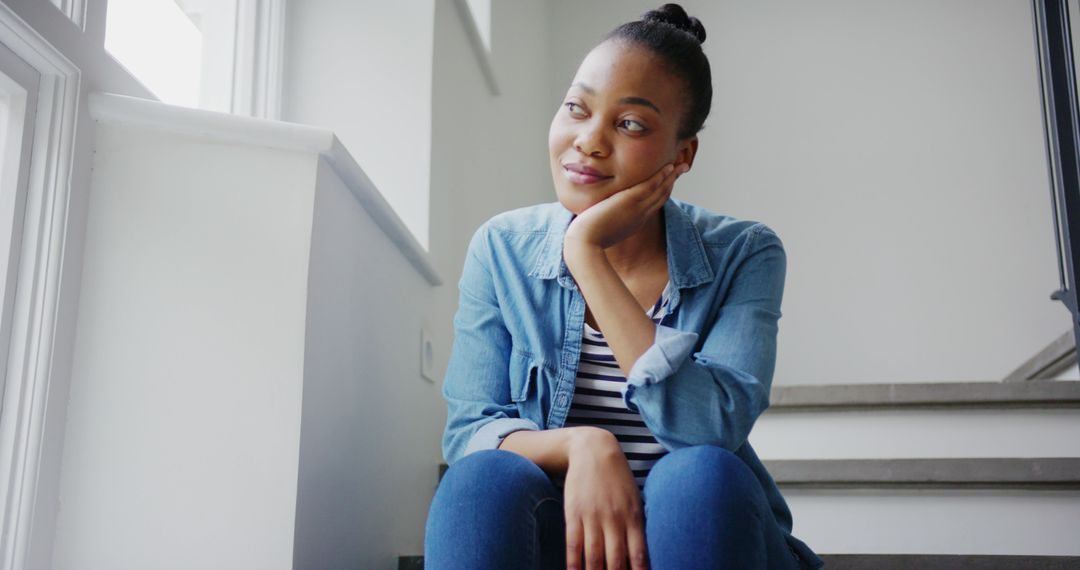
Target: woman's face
[[617, 126]]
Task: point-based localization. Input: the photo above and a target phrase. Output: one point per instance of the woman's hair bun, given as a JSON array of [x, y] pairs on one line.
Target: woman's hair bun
[[675, 15]]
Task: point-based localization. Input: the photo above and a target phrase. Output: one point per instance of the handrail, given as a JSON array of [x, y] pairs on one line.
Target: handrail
[[1048, 362], [1057, 85]]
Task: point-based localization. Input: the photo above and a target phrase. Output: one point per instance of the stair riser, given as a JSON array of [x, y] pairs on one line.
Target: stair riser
[[927, 433], [860, 521]]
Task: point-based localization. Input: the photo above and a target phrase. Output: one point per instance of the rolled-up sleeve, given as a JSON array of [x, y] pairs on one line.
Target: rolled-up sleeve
[[714, 395], [480, 412]]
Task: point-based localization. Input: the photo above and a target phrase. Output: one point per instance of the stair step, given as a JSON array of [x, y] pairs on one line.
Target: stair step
[[902, 562], [947, 562], [1042, 473], [1054, 473], [946, 420], [917, 433], [1033, 394]]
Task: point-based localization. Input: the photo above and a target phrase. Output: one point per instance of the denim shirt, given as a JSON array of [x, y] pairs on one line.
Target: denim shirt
[[705, 379]]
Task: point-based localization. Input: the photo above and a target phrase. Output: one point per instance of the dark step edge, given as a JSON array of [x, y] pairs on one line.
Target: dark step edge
[[948, 562], [1023, 473], [1049, 394], [903, 562], [1044, 473]]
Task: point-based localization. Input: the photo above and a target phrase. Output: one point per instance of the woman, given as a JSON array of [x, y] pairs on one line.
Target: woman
[[612, 350]]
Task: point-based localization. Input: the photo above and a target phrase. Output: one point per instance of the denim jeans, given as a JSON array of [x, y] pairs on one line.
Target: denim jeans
[[704, 508]]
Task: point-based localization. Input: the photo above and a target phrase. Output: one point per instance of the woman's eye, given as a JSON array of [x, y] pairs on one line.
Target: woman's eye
[[574, 108], [633, 126]]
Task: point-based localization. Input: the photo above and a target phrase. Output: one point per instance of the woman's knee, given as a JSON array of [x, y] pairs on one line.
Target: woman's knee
[[494, 472], [704, 475]]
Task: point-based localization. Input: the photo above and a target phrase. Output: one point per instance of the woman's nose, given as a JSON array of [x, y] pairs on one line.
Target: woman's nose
[[591, 140]]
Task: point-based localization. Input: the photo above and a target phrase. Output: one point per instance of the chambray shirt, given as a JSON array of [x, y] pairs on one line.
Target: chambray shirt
[[705, 379]]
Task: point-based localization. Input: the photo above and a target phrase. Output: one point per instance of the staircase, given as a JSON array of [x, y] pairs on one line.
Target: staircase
[[944, 475], [973, 475]]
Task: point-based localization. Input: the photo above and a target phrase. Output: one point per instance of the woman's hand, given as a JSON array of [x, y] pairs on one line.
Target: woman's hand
[[618, 216], [604, 516]]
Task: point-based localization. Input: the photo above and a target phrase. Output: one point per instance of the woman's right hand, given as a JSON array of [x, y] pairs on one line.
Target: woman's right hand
[[604, 515]]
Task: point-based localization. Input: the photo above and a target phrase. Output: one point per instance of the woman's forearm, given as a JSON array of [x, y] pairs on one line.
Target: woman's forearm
[[552, 449], [627, 329]]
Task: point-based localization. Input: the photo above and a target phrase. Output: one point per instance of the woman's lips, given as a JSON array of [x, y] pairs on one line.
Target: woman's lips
[[583, 175]]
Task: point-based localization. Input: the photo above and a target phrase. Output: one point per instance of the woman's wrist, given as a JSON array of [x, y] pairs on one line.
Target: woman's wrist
[[579, 253], [590, 441]]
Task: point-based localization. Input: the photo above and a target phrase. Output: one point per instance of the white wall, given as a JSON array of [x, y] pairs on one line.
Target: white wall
[[183, 428], [489, 153], [371, 424], [363, 69], [897, 150]]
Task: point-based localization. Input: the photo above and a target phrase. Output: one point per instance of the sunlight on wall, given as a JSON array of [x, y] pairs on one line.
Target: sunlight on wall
[[481, 12], [159, 45], [4, 110]]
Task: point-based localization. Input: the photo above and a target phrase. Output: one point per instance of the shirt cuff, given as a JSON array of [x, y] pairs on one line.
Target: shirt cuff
[[669, 349], [491, 434]]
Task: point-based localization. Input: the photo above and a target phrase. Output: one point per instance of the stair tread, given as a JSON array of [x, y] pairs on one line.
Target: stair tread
[[1040, 472], [903, 562], [1041, 394]]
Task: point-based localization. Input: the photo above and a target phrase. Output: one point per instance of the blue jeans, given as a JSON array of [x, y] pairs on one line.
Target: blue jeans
[[703, 509]]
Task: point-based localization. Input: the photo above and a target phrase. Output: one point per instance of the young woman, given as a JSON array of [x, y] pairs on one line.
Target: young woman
[[613, 349]]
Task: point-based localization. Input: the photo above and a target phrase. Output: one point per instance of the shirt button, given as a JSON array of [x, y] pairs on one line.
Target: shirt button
[[561, 400]]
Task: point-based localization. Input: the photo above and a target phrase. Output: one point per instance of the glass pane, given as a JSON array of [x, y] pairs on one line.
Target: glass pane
[[160, 45], [74, 9]]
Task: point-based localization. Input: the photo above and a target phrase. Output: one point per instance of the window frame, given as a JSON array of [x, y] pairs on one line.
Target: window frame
[[242, 72], [37, 275]]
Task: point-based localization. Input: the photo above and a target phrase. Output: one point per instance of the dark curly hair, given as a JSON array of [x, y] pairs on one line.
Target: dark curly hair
[[676, 38]]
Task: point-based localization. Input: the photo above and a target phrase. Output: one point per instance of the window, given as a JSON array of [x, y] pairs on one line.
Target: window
[[73, 9], [221, 55], [18, 95], [159, 44]]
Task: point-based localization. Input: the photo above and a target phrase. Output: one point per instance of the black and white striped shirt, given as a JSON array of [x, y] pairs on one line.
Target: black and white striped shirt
[[598, 399]]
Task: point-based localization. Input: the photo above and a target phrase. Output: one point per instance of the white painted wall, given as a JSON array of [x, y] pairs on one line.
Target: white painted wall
[[363, 69], [370, 423], [489, 153], [183, 428], [896, 148]]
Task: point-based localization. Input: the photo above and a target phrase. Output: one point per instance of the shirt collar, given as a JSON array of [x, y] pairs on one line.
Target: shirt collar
[[688, 264]]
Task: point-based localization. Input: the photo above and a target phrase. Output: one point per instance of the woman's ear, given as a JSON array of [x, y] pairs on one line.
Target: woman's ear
[[687, 151]]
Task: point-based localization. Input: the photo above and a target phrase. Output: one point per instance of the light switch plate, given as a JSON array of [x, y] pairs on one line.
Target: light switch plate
[[427, 356]]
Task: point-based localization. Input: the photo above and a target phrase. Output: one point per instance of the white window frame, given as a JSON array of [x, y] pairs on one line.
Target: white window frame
[[259, 55], [75, 10], [19, 89], [30, 352], [242, 55]]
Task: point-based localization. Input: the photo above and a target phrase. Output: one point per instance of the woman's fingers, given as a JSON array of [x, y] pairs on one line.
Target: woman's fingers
[[615, 541], [594, 547], [658, 197], [635, 544], [575, 542]]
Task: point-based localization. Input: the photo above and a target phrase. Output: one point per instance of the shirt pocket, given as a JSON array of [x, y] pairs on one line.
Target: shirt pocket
[[524, 374]]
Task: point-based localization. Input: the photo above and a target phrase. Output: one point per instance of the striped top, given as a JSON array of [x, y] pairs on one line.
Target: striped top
[[598, 398]]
